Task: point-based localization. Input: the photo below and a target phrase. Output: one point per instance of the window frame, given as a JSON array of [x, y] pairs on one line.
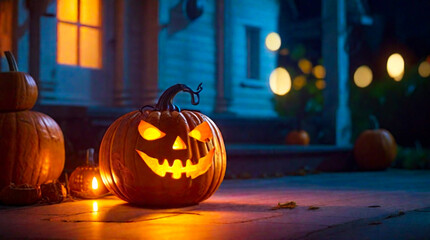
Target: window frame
[[78, 24]]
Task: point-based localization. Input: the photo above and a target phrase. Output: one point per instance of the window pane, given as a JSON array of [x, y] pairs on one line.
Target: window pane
[[90, 49], [67, 10], [6, 18], [90, 12], [253, 52], [67, 44]]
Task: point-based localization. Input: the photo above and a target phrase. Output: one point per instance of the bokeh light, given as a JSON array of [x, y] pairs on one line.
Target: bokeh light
[[273, 41], [284, 52], [299, 82], [319, 71], [320, 84], [305, 65], [396, 66], [280, 81], [424, 69], [363, 76]]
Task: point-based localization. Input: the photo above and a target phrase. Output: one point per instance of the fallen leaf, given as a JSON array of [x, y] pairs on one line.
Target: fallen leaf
[[375, 223], [287, 205], [400, 213], [373, 206], [313, 208]]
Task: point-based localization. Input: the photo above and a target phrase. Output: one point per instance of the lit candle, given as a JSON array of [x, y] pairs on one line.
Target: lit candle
[[95, 184]]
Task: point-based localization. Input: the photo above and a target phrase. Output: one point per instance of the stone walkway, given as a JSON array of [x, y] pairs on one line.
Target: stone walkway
[[358, 205]]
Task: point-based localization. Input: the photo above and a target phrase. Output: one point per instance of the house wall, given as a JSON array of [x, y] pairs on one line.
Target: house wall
[[187, 54], [252, 97]]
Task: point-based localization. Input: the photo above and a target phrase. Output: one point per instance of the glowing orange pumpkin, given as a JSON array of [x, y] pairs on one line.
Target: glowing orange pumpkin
[[162, 156]]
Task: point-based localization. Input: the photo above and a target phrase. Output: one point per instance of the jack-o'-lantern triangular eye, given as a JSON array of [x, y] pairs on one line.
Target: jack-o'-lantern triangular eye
[[149, 132], [202, 132]]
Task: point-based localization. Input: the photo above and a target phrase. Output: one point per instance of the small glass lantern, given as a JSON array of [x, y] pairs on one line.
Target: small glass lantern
[[85, 181]]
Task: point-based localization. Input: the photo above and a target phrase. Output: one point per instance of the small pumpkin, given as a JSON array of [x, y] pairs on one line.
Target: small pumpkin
[[18, 90], [31, 143], [375, 149], [298, 137], [162, 156], [85, 181]]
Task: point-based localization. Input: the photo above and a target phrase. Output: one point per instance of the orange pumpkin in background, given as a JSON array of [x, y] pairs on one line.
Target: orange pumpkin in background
[[375, 149], [31, 143], [162, 156], [298, 137]]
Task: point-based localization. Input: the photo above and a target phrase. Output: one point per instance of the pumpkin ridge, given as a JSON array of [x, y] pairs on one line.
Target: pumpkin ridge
[[11, 125], [219, 144], [40, 179], [107, 165], [121, 159], [134, 121], [197, 119], [16, 150]]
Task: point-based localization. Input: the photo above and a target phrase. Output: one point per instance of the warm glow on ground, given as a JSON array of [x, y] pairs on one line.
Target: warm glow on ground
[[280, 81], [95, 206], [319, 71], [94, 183], [273, 41], [424, 69], [305, 65], [396, 66], [363, 76]]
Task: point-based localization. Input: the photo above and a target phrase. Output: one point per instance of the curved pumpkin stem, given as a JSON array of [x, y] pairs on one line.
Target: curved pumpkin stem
[[165, 103], [374, 121], [13, 67]]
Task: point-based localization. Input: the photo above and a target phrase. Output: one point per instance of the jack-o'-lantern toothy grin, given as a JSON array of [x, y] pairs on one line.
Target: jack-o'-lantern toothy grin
[[201, 133], [190, 170]]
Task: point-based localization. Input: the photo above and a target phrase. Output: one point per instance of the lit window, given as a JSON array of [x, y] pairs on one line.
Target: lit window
[[253, 52], [79, 33], [6, 10]]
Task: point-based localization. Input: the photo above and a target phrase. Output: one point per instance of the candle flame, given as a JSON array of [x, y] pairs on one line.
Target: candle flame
[[95, 184]]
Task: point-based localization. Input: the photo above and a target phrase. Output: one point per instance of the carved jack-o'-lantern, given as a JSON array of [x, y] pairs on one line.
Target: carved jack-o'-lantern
[[163, 156], [85, 181]]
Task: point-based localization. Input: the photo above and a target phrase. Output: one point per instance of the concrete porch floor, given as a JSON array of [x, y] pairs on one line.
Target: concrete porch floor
[[394, 204]]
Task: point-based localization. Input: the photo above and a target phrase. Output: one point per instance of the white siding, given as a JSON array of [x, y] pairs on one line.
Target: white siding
[[188, 56], [250, 101]]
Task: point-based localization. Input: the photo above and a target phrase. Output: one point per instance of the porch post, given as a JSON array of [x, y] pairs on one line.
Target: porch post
[[121, 74], [336, 117], [223, 56]]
